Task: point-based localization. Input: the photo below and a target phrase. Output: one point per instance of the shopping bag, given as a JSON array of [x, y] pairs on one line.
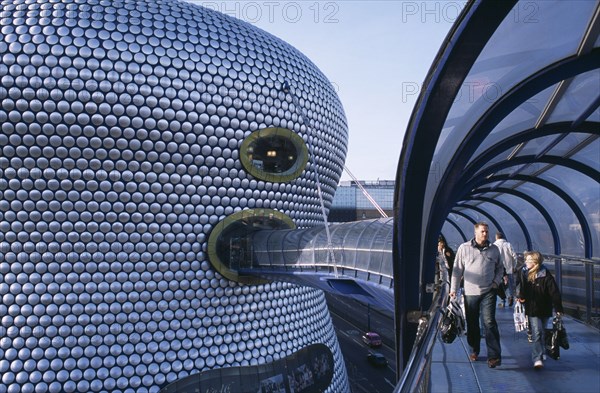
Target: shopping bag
[[448, 331], [452, 323], [563, 341], [552, 344], [521, 321]]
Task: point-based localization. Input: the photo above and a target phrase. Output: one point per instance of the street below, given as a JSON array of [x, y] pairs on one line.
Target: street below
[[351, 319]]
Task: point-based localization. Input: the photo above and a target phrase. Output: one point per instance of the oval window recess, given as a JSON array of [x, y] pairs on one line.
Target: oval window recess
[[230, 247], [274, 154]]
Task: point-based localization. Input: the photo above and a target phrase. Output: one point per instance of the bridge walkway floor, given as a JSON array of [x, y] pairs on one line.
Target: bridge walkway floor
[[577, 370]]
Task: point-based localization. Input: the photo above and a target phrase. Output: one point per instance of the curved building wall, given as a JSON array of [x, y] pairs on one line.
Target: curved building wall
[[121, 123]]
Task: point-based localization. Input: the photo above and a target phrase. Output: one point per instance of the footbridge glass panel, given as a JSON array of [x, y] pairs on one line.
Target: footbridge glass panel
[[510, 114]]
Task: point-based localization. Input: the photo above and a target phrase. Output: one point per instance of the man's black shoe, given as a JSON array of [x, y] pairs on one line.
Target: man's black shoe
[[493, 363]]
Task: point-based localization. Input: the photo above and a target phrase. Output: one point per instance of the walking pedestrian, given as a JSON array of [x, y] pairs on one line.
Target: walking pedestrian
[[537, 288], [478, 262], [445, 255], [509, 261]]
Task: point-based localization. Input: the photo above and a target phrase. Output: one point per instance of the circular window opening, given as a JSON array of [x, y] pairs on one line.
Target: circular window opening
[[230, 246], [274, 154]]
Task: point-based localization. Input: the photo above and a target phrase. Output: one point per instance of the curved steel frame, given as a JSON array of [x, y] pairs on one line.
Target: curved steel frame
[[555, 160], [466, 216], [417, 227], [480, 211], [458, 229], [563, 69], [585, 227], [497, 203], [529, 159], [509, 211], [469, 35], [542, 210], [587, 127]]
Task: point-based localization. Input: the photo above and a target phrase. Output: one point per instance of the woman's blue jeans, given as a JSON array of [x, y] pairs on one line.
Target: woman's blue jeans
[[537, 335], [485, 305]]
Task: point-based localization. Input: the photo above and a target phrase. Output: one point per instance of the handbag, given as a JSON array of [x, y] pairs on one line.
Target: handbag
[[521, 321]]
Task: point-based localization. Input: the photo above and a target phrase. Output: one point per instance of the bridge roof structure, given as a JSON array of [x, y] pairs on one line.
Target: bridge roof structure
[[506, 130]]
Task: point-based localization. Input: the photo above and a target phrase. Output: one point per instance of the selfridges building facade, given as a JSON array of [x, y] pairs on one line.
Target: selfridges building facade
[[129, 130]]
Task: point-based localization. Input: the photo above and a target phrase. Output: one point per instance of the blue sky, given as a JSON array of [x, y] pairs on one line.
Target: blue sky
[[376, 53]]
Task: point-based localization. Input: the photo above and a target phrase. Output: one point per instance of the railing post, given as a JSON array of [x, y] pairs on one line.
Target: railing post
[[589, 290], [558, 273]]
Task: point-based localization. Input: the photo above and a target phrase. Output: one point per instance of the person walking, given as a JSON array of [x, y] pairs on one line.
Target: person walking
[[509, 260], [445, 255], [478, 262], [537, 288]]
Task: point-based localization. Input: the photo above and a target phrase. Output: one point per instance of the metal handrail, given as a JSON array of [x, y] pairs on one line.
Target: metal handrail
[[594, 261], [592, 304], [415, 377]]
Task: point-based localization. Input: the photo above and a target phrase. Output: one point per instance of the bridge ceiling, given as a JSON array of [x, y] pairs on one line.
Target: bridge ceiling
[[506, 130], [524, 122]]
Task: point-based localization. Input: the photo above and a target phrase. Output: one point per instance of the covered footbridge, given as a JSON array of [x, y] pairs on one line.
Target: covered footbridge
[[506, 130]]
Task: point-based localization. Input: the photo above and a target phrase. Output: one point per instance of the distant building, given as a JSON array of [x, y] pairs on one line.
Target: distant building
[[351, 204]]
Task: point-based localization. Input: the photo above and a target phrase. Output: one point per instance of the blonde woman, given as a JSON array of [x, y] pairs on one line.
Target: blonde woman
[[537, 288]]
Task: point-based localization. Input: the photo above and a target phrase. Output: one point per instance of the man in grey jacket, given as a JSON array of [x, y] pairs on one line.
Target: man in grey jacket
[[509, 260], [478, 263]]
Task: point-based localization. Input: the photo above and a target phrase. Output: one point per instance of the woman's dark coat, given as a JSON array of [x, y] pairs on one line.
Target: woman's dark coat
[[541, 295]]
